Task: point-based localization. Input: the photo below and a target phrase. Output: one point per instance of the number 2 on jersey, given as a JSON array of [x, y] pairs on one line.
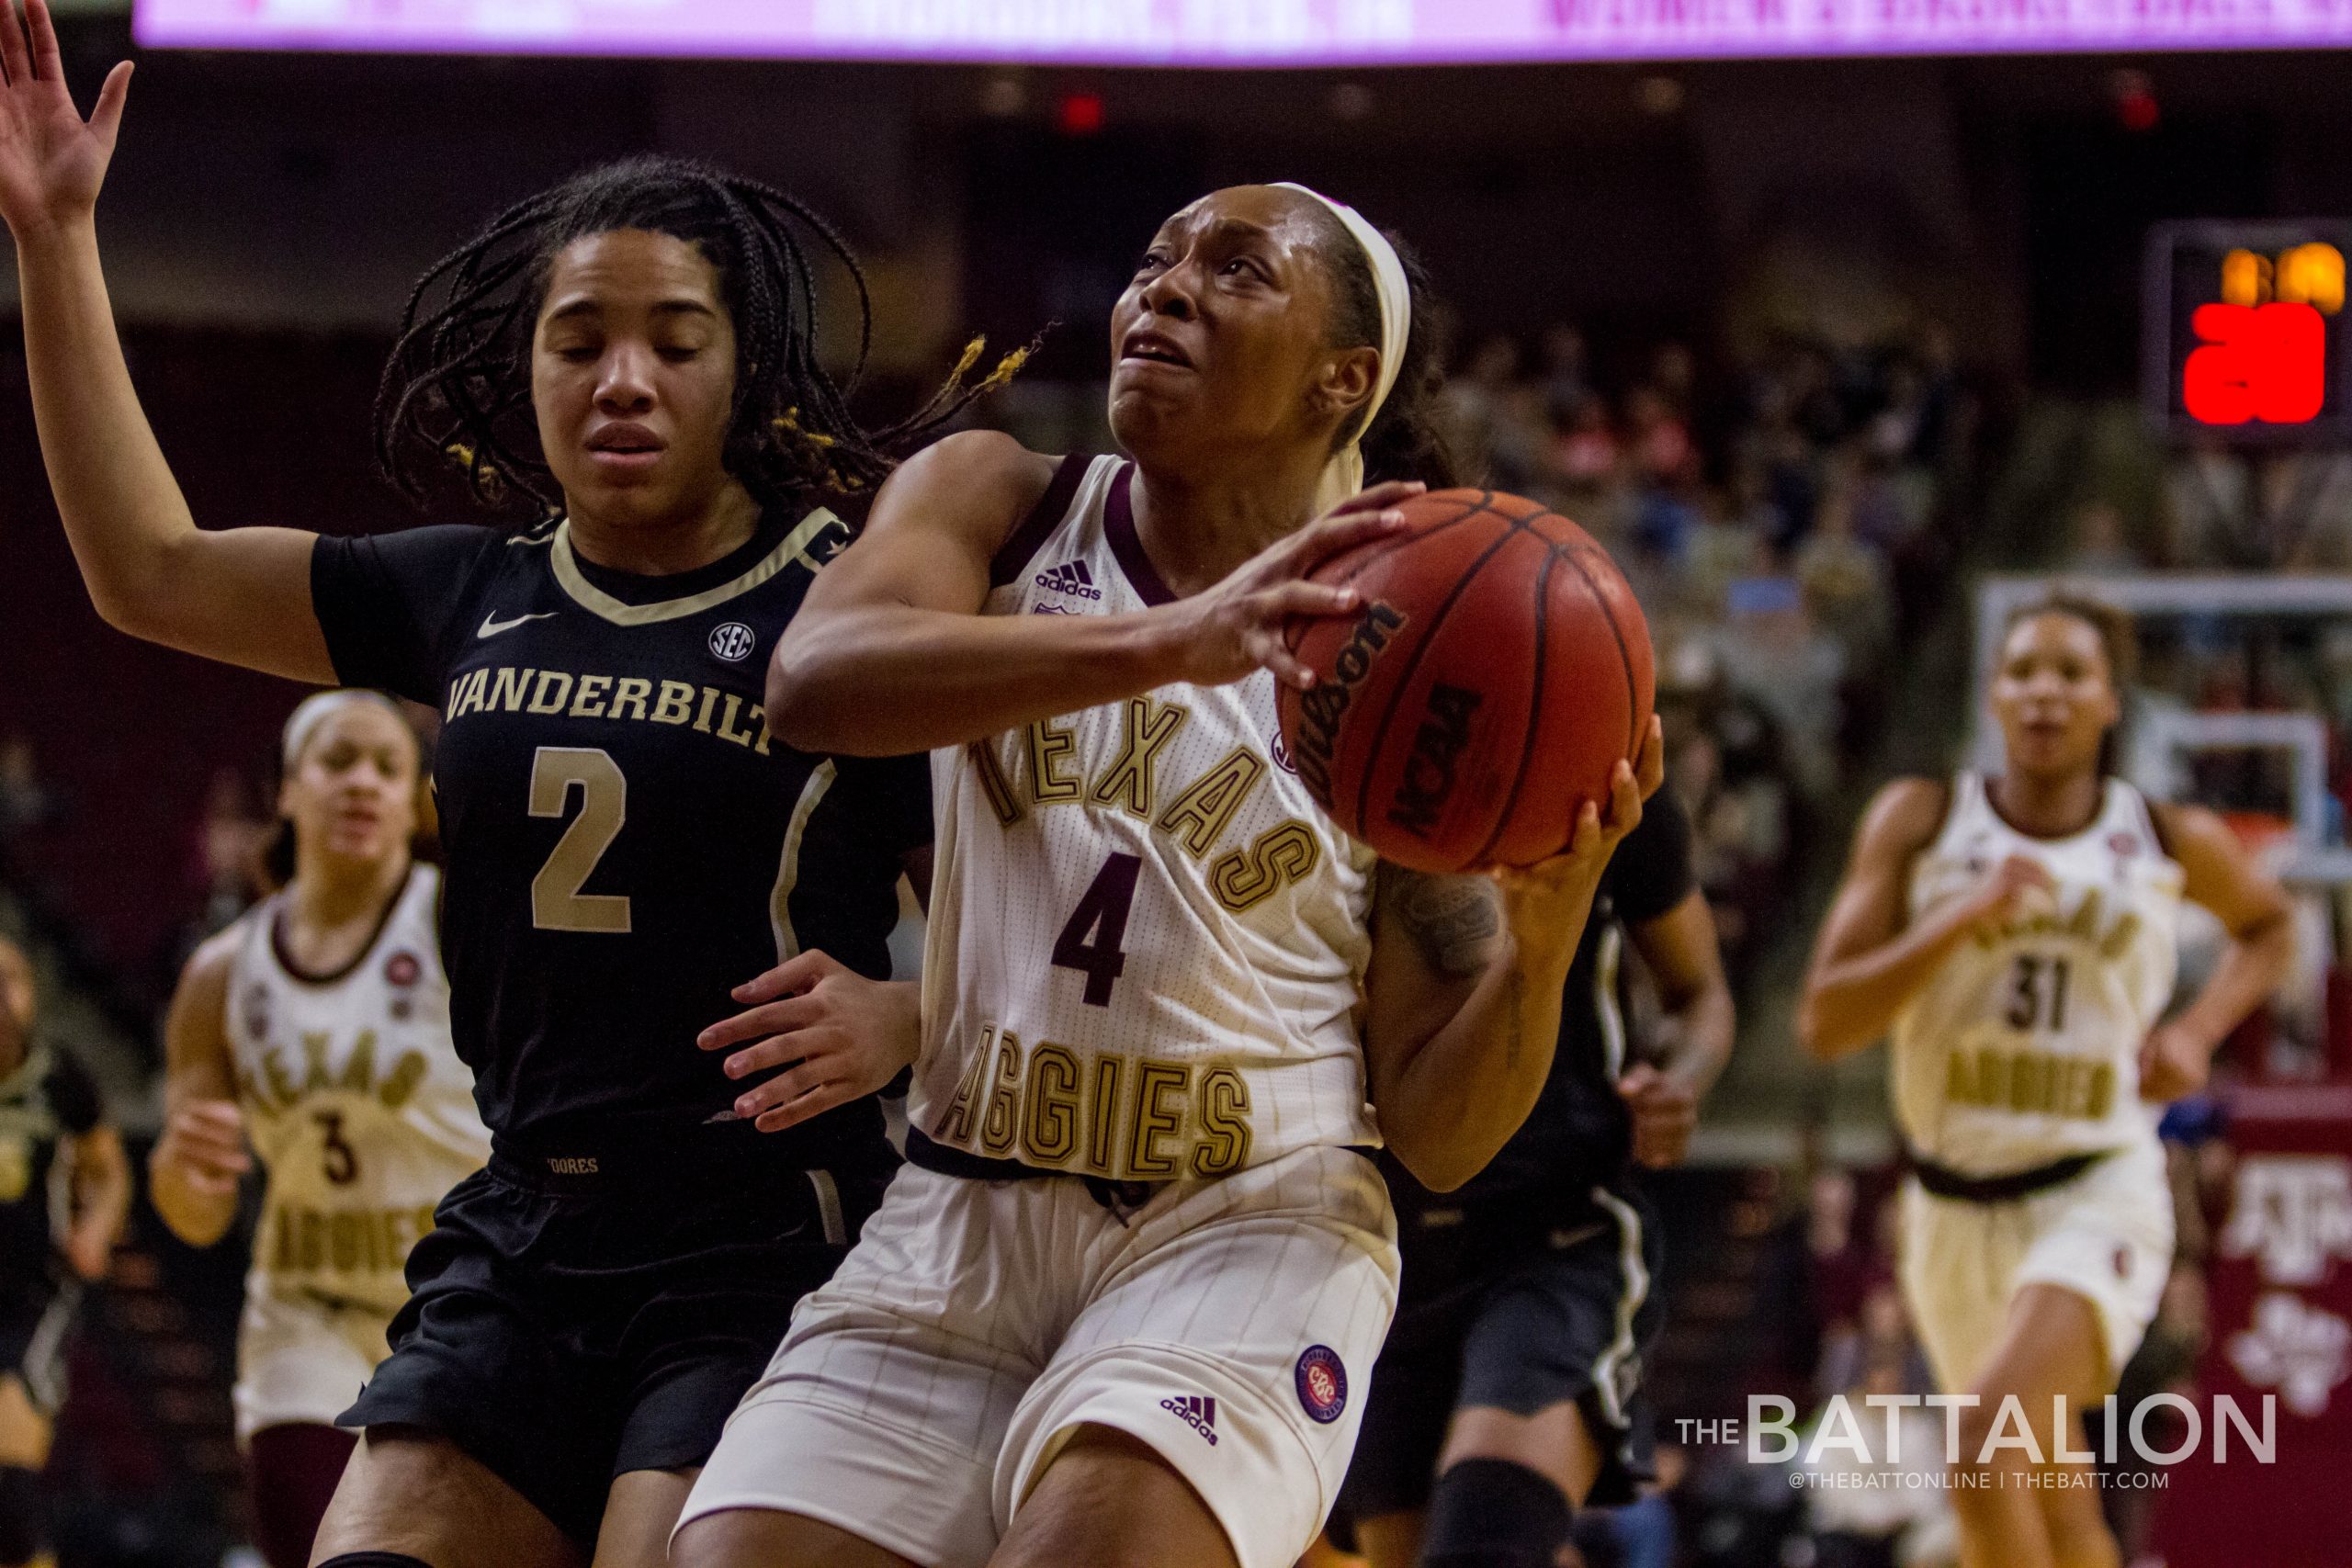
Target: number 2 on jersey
[[557, 903], [1089, 942]]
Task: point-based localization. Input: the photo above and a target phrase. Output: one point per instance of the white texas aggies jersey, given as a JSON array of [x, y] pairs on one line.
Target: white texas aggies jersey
[[356, 1102], [2025, 1046], [1147, 945]]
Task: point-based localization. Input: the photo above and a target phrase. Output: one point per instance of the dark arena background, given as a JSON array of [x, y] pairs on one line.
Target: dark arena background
[[1844, 333]]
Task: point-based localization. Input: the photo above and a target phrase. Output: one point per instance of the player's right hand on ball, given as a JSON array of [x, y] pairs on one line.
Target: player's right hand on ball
[[51, 160], [1237, 627], [2014, 889], [204, 1143], [838, 1034]]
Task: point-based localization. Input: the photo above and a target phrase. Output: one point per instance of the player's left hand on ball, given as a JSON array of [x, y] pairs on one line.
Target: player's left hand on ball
[[1599, 832], [1666, 1112], [840, 1035], [2172, 1065]]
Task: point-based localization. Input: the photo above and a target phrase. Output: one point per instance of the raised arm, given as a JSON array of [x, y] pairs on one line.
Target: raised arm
[[2253, 908], [1462, 998], [240, 595], [197, 1164], [890, 654], [1867, 964]]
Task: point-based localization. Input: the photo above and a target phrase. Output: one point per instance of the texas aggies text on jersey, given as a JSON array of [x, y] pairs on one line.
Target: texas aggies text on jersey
[[626, 841], [359, 1109], [2024, 1048], [1147, 945]]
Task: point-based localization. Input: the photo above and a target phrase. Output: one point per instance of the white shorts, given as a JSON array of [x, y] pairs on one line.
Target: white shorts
[[1229, 1325], [2106, 1236], [301, 1357]]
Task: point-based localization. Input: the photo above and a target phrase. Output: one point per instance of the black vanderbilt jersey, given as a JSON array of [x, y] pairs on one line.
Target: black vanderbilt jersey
[[626, 841]]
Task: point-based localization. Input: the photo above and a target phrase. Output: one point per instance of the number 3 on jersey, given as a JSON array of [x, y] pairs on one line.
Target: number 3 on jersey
[[557, 903], [1089, 942]]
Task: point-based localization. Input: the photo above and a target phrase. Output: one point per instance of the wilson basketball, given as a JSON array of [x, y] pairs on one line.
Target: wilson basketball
[[1496, 671]]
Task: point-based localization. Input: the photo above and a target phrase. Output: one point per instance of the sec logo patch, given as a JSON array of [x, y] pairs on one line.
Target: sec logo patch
[[1322, 1382], [732, 641]]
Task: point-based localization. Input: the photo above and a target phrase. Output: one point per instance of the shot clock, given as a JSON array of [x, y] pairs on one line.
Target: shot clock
[[2246, 333]]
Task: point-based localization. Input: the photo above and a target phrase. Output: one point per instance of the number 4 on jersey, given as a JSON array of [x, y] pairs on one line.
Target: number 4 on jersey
[[1089, 942]]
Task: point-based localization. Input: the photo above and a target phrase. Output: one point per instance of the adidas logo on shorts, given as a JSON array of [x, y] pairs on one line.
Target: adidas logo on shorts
[[1197, 1411], [1072, 578]]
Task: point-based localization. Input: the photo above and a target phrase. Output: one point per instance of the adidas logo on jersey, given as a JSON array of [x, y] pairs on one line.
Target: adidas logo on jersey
[[1197, 1411], [1072, 578]]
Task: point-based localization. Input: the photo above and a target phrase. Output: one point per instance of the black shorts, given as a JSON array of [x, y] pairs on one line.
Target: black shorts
[[563, 1331], [1498, 1310], [35, 1319]]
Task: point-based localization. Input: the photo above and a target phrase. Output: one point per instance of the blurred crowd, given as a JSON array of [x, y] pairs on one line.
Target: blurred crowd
[[2209, 507], [1787, 520]]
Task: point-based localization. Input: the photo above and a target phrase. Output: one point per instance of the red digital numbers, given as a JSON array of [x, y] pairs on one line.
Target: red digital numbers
[[2265, 363]]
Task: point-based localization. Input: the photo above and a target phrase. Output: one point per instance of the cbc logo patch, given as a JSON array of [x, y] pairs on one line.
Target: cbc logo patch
[[732, 641], [1322, 1382]]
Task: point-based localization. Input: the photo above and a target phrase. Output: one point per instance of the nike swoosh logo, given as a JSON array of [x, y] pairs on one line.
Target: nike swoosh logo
[[491, 625]]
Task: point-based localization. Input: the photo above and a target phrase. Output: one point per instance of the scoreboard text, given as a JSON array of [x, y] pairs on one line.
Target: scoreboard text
[[2247, 334]]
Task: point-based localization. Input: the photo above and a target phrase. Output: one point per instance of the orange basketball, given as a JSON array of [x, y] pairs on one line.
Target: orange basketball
[[1496, 671]]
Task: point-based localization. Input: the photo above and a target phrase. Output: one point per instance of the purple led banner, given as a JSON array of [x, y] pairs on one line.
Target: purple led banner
[[1244, 32]]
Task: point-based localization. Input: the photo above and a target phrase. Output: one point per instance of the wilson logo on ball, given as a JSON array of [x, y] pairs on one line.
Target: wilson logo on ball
[[1430, 770], [1322, 708]]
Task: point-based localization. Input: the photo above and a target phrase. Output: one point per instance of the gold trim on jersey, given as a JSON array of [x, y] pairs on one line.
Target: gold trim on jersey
[[787, 869], [792, 546]]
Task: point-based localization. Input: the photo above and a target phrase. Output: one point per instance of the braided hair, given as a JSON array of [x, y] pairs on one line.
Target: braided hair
[[1403, 440], [458, 384]]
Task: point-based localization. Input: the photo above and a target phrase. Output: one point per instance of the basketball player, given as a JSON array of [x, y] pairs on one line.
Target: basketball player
[[65, 1188], [1120, 1306], [318, 1026], [627, 838], [2016, 937], [1509, 1391]]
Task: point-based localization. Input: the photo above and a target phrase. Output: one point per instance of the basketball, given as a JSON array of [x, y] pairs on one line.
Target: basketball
[[1496, 671]]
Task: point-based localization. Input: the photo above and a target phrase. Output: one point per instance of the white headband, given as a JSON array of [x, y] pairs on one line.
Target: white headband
[[1343, 475], [316, 709]]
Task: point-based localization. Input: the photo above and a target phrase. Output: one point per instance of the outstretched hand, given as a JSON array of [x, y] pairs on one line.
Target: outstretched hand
[[51, 160], [838, 1034]]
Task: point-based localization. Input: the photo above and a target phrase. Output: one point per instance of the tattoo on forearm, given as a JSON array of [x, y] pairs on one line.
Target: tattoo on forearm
[[1457, 921]]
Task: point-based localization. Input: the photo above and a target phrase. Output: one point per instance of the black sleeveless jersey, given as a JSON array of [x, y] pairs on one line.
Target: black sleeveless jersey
[[626, 839], [48, 1098], [1580, 1135]]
